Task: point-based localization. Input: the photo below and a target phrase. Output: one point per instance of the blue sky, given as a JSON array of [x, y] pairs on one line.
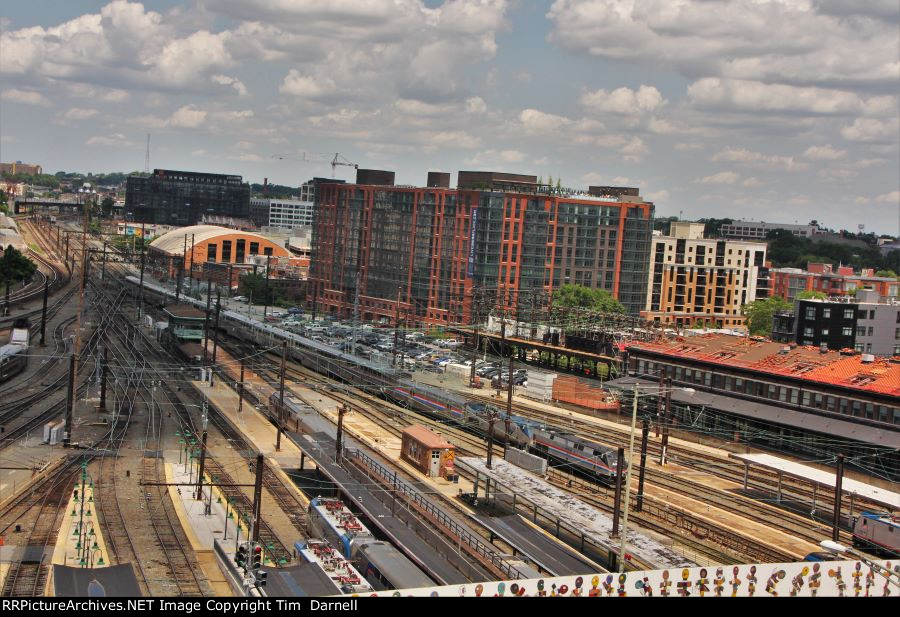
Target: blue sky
[[777, 110]]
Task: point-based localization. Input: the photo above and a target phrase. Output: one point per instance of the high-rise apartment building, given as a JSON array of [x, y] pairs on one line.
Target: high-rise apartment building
[[501, 233], [699, 281], [181, 198]]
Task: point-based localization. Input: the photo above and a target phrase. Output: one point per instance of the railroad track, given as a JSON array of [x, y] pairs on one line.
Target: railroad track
[[28, 577], [760, 482]]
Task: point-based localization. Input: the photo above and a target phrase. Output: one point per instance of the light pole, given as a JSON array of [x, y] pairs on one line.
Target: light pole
[[634, 410], [831, 546]]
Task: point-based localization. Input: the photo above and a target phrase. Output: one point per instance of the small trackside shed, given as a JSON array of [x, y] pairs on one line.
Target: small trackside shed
[[428, 452]]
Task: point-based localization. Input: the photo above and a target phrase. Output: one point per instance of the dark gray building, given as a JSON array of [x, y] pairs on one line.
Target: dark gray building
[[180, 198]]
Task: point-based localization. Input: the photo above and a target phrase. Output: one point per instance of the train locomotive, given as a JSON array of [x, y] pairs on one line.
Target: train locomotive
[[878, 531], [14, 355], [590, 458]]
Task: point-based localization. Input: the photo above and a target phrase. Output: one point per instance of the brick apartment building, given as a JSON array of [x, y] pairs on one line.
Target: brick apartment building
[[431, 246]]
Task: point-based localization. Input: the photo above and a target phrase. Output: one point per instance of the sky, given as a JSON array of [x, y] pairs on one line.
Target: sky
[[773, 110]]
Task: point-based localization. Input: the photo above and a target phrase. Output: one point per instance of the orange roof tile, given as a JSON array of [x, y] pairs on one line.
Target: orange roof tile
[[808, 363]]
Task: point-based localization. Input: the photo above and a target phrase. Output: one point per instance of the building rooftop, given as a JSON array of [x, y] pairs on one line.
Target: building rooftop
[[173, 242], [880, 376], [427, 438], [184, 311]]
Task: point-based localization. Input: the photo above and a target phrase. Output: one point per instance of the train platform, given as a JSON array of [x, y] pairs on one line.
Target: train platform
[[204, 521], [576, 515], [69, 549], [551, 555], [256, 429], [887, 498]]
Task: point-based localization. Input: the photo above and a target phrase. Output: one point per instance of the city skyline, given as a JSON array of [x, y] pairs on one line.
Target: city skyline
[[757, 110]]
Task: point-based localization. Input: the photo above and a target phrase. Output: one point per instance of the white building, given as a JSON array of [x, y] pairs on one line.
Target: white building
[[703, 281]]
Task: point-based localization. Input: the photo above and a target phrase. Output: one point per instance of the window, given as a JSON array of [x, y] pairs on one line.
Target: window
[[848, 331], [226, 251], [211, 252], [826, 313], [848, 313], [810, 312]]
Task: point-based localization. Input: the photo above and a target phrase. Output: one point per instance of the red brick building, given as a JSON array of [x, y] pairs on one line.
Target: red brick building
[[502, 233]]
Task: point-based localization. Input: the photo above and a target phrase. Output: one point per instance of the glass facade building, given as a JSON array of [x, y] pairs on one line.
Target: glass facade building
[[182, 198], [436, 245]]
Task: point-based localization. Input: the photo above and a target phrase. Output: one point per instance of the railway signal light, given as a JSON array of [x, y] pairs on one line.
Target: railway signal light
[[261, 578], [257, 557], [241, 557]]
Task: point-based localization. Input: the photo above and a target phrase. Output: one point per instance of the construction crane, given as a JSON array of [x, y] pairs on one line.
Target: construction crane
[[319, 157]]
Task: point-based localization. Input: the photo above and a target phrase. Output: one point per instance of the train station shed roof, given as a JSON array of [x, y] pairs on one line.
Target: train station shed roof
[[112, 582], [879, 495]]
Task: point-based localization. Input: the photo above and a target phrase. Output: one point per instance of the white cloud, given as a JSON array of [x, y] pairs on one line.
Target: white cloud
[[26, 97], [803, 45], [889, 198], [116, 140], [689, 146], [871, 130], [758, 160], [754, 96], [307, 86], [751, 183], [493, 157], [656, 196], [188, 117], [233, 82], [535, 121], [824, 153], [78, 113], [723, 177], [625, 101]]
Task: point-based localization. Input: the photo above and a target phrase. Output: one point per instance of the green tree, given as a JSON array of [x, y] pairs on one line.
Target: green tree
[[811, 295], [579, 296], [254, 286], [760, 314], [106, 206], [14, 267], [888, 274]]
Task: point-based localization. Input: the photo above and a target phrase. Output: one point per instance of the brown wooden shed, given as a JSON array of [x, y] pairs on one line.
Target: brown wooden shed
[[429, 452]]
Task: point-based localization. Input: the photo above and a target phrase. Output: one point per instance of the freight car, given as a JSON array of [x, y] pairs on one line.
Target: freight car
[[879, 531]]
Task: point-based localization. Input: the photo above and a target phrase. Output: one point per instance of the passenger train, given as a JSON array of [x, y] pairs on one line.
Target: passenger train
[[878, 531], [596, 460], [14, 356], [379, 562]]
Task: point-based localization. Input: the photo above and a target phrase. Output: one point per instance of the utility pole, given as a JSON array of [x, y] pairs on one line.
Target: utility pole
[[103, 266], [665, 427], [474, 312], [178, 276], [339, 437], [70, 402], [202, 455], [280, 395], [617, 505], [44, 312], [645, 433], [396, 327], [216, 327], [838, 483], [509, 395], [502, 349], [266, 299], [206, 327], [103, 372], [356, 313], [241, 388], [257, 497], [191, 270], [143, 259], [492, 418]]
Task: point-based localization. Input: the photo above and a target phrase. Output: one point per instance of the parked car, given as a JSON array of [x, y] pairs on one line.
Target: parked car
[[240, 299]]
